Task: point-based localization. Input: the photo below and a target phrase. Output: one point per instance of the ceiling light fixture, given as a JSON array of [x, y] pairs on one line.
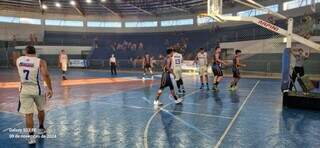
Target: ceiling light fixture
[[44, 7], [73, 3], [58, 4]]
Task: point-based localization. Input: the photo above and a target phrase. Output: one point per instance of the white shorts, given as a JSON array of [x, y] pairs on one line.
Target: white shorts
[[203, 70], [28, 103], [64, 66], [177, 73]]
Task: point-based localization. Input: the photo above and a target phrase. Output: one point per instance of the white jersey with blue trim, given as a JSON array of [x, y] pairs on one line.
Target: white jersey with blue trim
[[29, 72], [202, 58], [177, 60]]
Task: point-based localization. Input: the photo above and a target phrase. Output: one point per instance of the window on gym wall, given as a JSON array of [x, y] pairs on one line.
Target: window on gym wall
[[204, 20], [73, 23], [250, 12], [257, 12], [274, 8], [141, 24], [180, 22], [30, 21], [9, 19], [101, 24], [297, 3], [64, 23], [53, 22]]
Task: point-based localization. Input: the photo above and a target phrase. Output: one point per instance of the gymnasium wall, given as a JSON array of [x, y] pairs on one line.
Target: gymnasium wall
[[18, 32]]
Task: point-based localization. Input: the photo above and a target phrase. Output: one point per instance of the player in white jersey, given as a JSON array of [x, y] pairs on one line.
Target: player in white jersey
[[63, 63], [177, 60], [30, 68], [202, 61]]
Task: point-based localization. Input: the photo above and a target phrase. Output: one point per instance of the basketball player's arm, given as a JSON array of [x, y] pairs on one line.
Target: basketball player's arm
[[239, 64], [46, 77], [218, 59], [181, 59], [168, 66], [307, 54], [67, 60], [195, 60], [143, 62], [59, 61]]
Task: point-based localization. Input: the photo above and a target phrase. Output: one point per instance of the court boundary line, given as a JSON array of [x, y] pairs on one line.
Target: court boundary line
[[146, 129], [235, 116]]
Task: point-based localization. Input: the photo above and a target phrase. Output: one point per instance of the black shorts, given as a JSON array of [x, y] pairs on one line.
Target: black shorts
[[147, 66], [236, 72], [217, 70], [299, 70], [166, 81]]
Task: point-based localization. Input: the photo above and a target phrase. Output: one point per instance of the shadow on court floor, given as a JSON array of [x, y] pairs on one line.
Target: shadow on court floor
[[122, 115]]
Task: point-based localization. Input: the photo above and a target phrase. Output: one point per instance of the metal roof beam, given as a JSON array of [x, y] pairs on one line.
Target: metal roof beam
[[110, 10], [145, 11], [40, 6], [79, 8]]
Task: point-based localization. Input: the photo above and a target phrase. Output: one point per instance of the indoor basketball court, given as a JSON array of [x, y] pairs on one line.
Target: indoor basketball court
[[171, 73]]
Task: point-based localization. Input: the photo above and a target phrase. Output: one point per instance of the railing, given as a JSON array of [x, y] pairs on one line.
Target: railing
[[259, 66]]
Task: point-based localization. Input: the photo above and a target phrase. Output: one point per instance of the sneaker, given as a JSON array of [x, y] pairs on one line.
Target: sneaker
[[178, 101], [32, 140], [183, 91], [179, 91], [157, 103], [214, 88], [201, 87], [208, 87], [64, 78], [235, 87], [42, 131]]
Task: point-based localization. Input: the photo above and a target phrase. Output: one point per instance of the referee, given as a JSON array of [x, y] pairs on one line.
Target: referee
[[113, 64], [298, 69]]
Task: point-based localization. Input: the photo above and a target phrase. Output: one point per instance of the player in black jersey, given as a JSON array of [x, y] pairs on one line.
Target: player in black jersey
[[147, 65], [166, 79], [236, 69], [217, 68]]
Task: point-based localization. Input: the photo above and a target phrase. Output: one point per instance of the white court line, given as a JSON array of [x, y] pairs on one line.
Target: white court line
[[146, 99], [145, 134], [200, 114], [187, 124], [235, 116], [190, 113]]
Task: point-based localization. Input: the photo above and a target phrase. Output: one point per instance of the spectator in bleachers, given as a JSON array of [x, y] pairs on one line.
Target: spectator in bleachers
[[140, 45], [95, 44]]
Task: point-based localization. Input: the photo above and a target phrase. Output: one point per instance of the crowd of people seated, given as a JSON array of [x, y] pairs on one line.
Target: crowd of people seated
[[127, 46]]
